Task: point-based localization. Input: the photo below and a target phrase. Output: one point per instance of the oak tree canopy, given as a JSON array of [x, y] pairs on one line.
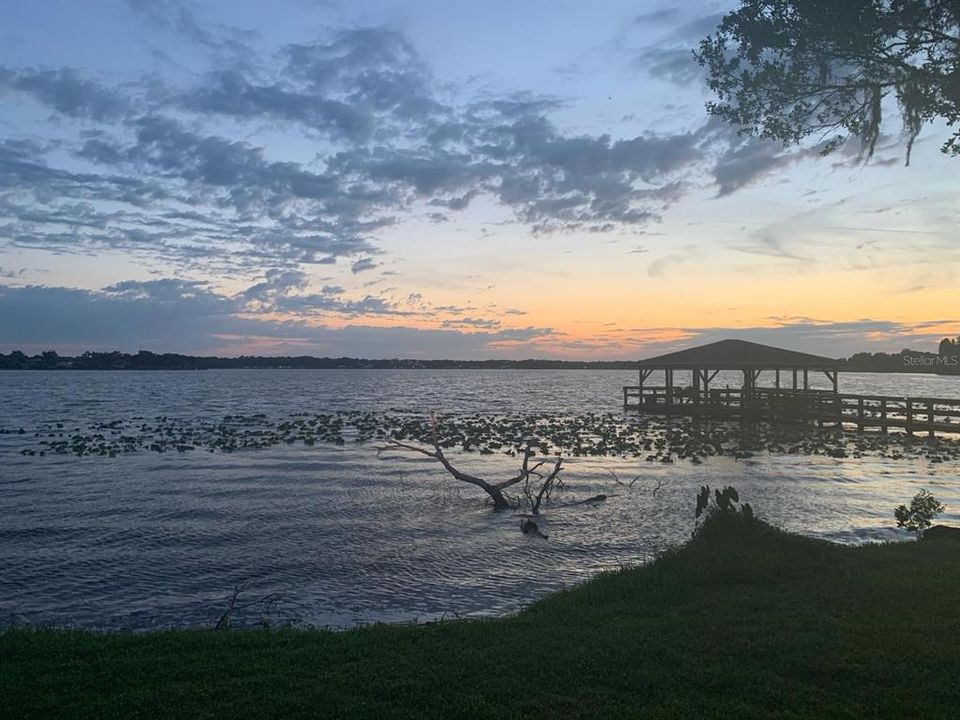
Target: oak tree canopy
[[792, 69]]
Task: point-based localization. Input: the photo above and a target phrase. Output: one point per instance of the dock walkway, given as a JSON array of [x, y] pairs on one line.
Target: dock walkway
[[914, 415]]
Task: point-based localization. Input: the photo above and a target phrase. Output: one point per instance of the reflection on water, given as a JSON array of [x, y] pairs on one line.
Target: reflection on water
[[145, 540]]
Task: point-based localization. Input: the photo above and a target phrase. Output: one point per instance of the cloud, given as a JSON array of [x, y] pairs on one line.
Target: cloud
[[671, 57], [593, 182], [172, 291], [373, 67], [660, 15], [362, 265], [820, 337], [677, 66], [821, 238], [179, 18], [288, 291], [470, 322], [696, 29], [771, 242], [171, 15], [11, 274], [834, 339], [176, 315], [185, 175], [659, 267], [361, 80], [279, 282], [186, 316], [67, 92], [178, 188], [191, 194], [229, 92], [744, 163], [165, 315]]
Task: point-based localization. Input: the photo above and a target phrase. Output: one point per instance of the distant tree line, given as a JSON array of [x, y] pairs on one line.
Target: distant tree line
[[944, 362], [146, 360]]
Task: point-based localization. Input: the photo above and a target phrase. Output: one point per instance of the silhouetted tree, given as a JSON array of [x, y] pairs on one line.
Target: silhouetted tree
[[789, 69], [49, 358], [919, 516], [949, 352], [16, 360]]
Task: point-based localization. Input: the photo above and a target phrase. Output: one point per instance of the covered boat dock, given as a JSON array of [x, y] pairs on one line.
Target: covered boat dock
[[791, 396]]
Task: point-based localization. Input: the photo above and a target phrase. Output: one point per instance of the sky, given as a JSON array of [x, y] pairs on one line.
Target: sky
[[436, 180]]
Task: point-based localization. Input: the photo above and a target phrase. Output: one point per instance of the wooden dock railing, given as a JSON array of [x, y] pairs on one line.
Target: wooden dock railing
[[918, 414]]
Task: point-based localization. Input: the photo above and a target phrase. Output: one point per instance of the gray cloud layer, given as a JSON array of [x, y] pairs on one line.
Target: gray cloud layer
[[184, 316], [155, 171], [158, 169]]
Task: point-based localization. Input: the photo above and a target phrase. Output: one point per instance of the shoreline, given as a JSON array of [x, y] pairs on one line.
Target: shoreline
[[612, 366], [744, 620]]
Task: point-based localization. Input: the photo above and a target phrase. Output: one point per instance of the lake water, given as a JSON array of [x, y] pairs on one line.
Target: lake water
[[148, 540]]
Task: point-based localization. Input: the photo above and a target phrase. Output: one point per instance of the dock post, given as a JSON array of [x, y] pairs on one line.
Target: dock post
[[883, 415], [930, 432], [909, 416], [860, 414]]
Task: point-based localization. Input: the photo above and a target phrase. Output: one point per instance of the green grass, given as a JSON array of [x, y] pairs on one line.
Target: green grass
[[744, 622]]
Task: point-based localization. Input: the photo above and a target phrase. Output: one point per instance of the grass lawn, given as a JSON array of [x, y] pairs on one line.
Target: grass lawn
[[743, 622]]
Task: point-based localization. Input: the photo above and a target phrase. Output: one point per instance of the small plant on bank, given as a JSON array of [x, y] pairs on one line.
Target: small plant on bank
[[722, 501], [919, 516]]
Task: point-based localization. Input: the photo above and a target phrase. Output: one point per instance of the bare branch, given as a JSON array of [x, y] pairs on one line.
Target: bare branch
[[618, 481], [536, 487], [267, 601], [499, 500], [546, 487], [525, 470]]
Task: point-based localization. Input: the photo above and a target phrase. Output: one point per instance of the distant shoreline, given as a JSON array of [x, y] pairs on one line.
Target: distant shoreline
[[467, 367], [907, 361]]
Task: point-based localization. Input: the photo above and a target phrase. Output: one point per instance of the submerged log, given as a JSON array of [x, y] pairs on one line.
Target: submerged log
[[528, 526]]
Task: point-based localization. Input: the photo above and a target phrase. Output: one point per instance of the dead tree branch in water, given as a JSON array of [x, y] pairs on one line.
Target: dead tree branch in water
[[630, 483], [536, 487], [267, 602], [546, 485], [618, 481]]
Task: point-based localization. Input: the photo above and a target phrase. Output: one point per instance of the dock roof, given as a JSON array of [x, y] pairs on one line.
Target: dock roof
[[739, 355]]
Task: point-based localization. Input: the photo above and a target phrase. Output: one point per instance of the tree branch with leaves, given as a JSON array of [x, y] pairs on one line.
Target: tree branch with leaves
[[790, 69], [918, 517]]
